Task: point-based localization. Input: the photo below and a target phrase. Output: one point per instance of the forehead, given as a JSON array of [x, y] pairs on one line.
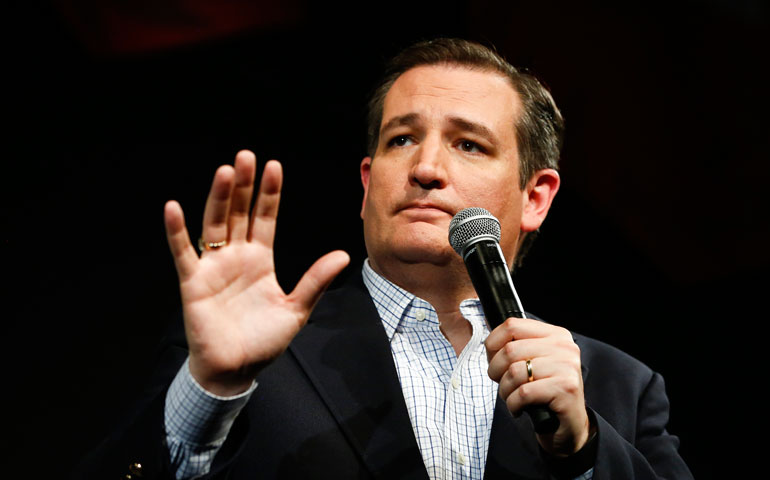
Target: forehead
[[435, 92]]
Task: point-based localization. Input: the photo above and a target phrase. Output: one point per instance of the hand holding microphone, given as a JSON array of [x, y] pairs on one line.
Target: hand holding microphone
[[536, 364]]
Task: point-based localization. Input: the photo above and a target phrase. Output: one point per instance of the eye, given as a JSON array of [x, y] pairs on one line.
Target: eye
[[470, 147], [400, 141]]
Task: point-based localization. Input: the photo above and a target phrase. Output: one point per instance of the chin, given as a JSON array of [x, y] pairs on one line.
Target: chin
[[425, 250], [413, 242]]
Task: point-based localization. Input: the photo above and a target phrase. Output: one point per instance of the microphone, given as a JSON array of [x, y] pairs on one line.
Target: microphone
[[474, 234]]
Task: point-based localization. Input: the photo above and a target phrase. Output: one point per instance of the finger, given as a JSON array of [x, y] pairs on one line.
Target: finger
[[185, 258], [515, 351], [519, 329], [317, 279], [266, 210], [502, 334], [245, 171], [511, 380], [518, 351], [500, 361], [218, 205], [531, 393], [517, 374], [559, 393]]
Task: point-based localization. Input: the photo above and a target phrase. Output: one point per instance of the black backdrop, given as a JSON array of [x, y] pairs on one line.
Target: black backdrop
[[657, 242]]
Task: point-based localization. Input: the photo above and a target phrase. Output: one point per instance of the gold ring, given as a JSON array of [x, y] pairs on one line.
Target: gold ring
[[210, 245], [530, 375]]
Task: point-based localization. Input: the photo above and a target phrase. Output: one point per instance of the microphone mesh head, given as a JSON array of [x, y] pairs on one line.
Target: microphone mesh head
[[470, 224]]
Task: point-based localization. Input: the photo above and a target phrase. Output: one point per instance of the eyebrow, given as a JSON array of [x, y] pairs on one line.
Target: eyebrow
[[473, 127], [411, 119]]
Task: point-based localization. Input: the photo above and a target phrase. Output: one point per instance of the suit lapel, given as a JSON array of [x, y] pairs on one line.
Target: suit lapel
[[513, 451], [345, 352]]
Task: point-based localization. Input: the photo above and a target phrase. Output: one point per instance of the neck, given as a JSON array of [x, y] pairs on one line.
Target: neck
[[443, 286]]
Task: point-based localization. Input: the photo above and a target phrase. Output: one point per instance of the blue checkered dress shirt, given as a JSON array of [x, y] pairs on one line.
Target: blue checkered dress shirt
[[450, 399]]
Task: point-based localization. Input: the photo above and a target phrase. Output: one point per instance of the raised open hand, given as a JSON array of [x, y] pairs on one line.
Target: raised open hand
[[237, 317]]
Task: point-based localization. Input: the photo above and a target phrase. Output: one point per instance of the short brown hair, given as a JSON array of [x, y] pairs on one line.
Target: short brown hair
[[539, 129]]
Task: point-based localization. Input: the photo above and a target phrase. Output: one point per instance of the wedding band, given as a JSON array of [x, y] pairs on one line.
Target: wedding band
[[210, 245], [530, 375]]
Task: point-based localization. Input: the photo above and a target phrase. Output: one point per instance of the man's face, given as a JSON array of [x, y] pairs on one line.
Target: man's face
[[447, 142]]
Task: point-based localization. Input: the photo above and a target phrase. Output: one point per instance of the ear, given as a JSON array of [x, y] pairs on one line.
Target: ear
[[366, 167], [537, 198]]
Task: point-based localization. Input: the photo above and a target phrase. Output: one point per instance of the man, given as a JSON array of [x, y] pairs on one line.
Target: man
[[396, 374]]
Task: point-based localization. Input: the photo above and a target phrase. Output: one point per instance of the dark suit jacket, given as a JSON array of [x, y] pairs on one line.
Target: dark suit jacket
[[331, 407]]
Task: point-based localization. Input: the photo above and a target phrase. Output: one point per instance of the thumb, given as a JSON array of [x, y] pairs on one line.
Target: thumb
[[318, 277]]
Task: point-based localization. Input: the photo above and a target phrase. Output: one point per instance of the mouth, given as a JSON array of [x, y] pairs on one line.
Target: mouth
[[426, 208]]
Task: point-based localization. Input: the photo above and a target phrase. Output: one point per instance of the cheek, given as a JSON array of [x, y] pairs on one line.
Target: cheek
[[486, 193], [376, 201], [383, 184], [503, 200]]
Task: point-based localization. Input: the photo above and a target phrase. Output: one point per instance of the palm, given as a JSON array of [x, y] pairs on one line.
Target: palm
[[237, 317], [220, 303]]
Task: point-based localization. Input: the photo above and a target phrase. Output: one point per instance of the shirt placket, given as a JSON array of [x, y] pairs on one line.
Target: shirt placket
[[460, 415]]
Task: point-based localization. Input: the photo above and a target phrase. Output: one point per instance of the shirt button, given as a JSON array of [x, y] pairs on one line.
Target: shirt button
[[461, 459], [455, 383], [420, 315]]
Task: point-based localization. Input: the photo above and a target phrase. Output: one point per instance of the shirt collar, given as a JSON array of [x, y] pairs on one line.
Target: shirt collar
[[398, 307]]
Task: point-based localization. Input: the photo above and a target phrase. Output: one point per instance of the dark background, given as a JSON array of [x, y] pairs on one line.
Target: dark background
[[657, 242]]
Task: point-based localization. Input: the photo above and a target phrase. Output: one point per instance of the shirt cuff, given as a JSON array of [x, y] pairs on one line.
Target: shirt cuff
[[196, 416]]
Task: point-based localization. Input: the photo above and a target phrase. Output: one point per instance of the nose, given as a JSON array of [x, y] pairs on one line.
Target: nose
[[429, 165]]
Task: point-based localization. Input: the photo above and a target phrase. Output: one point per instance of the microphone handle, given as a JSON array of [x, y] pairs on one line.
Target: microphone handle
[[492, 280]]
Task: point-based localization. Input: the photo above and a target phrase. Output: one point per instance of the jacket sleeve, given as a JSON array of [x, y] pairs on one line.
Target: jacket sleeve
[[139, 440], [652, 453], [137, 446]]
